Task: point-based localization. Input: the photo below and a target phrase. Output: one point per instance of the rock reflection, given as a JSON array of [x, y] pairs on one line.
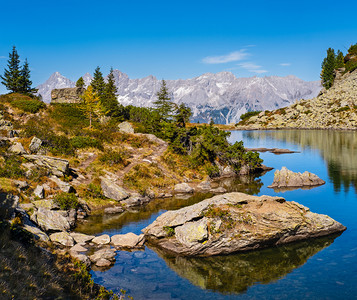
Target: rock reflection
[[235, 273], [337, 148]]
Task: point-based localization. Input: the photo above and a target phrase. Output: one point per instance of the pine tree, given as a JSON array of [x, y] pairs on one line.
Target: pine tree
[[340, 60], [25, 82], [11, 78], [163, 104], [328, 67], [98, 83], [109, 98], [182, 115], [80, 83]]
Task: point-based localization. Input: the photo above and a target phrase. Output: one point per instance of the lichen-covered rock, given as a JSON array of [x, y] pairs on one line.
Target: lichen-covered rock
[[237, 222], [126, 127], [56, 166], [63, 186], [128, 240], [35, 145], [135, 200], [81, 257], [62, 238], [113, 191], [78, 248], [38, 233], [286, 178], [48, 204], [183, 188], [108, 254], [67, 95], [39, 192], [51, 220]]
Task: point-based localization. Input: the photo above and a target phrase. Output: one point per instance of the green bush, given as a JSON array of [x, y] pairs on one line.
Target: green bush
[[79, 142], [95, 191], [111, 158], [66, 201], [29, 105], [11, 167], [249, 114]]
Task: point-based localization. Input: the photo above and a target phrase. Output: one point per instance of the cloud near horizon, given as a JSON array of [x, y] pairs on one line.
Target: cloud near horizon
[[233, 56], [252, 67], [285, 64], [2, 57]]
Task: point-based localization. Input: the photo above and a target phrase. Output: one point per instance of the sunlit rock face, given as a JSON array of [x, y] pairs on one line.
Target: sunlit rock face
[[236, 222]]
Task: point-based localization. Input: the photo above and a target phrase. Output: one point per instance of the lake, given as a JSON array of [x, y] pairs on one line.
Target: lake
[[324, 268]]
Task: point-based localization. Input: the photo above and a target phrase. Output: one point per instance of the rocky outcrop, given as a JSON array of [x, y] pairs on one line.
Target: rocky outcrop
[[56, 166], [62, 238], [237, 222], [332, 109], [112, 191], [286, 178], [67, 95], [4, 124], [51, 220]]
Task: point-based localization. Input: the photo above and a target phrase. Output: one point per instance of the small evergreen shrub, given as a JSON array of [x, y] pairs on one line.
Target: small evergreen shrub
[[112, 158], [67, 201], [80, 142], [29, 105], [249, 114]]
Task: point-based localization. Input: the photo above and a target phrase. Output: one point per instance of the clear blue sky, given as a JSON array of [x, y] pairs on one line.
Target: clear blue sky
[[175, 39]]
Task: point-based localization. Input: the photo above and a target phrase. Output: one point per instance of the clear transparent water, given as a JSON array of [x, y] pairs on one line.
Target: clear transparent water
[[319, 269]]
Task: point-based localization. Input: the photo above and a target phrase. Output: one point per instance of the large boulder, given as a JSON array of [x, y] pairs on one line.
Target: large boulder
[[237, 222], [63, 186], [113, 191], [81, 238], [286, 178], [17, 148], [67, 95], [51, 220], [56, 166], [62, 238], [183, 188], [129, 240], [35, 145]]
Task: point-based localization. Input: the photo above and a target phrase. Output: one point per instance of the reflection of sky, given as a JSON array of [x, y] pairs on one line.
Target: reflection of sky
[[329, 274]]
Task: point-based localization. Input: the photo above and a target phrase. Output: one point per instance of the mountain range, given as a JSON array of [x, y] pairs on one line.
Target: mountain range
[[221, 96]]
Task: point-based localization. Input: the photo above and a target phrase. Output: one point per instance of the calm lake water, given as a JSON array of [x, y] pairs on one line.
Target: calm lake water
[[320, 269]]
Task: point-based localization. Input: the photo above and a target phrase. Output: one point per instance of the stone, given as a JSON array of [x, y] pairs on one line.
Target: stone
[[126, 127], [48, 204], [39, 192], [103, 263], [8, 205], [38, 233], [67, 95], [62, 238], [204, 185], [191, 233], [183, 188], [128, 240], [20, 184], [108, 254], [81, 238], [236, 222], [51, 220], [35, 145], [113, 210], [56, 166], [17, 148], [286, 178], [78, 248], [102, 239], [135, 200], [112, 191], [81, 257], [63, 186]]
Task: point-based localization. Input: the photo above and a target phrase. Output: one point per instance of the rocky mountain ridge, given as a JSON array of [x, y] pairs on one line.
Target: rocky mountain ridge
[[220, 96], [335, 108]]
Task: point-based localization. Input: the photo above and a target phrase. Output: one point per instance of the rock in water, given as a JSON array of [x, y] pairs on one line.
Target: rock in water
[[183, 188], [287, 178], [237, 222]]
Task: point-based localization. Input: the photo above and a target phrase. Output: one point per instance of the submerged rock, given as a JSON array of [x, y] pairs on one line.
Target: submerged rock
[[286, 178], [237, 222]]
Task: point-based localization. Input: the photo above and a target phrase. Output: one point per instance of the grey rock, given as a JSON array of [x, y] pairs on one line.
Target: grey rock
[[219, 190], [108, 254], [81, 238], [183, 188], [35, 145], [48, 204], [67, 95], [245, 222], [286, 178], [128, 240], [81, 257], [62, 238], [17, 148], [39, 192], [38, 233], [63, 186], [103, 263], [102, 239], [57, 166], [126, 127], [204, 185], [22, 185], [50, 220], [78, 248], [135, 200], [113, 191]]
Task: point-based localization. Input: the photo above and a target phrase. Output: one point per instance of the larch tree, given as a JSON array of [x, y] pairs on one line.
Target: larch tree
[[91, 105]]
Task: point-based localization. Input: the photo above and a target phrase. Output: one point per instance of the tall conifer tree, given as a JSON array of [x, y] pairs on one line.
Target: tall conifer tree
[[339, 60], [328, 67], [98, 83], [109, 100], [163, 104], [24, 81], [11, 78]]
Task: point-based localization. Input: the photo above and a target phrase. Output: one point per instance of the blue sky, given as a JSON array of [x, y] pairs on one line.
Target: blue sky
[[175, 39]]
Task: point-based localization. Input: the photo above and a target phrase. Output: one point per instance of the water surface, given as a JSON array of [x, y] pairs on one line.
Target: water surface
[[324, 268]]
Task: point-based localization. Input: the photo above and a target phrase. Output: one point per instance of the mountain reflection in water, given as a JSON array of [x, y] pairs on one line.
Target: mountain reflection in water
[[337, 148], [235, 273]]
